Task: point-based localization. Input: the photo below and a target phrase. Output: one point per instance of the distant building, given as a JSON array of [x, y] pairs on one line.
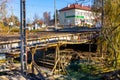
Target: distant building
[[36, 25], [76, 14], [52, 22]]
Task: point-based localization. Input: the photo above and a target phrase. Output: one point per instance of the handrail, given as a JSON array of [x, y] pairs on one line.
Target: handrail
[[66, 39], [14, 41]]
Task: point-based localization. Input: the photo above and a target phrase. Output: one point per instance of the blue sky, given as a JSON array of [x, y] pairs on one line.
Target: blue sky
[[39, 7]]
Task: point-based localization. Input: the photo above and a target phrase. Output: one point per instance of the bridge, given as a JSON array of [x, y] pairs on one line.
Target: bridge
[[12, 46], [43, 40]]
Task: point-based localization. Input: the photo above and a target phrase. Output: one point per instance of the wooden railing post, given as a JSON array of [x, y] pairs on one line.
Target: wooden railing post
[[33, 51]]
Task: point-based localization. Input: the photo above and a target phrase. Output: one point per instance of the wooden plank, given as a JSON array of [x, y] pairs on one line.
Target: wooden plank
[[48, 63]]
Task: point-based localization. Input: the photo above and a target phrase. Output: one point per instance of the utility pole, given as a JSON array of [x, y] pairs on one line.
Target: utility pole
[[102, 16], [102, 24], [23, 54], [55, 14]]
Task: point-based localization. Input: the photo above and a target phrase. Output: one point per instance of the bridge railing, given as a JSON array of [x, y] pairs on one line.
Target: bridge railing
[[11, 46]]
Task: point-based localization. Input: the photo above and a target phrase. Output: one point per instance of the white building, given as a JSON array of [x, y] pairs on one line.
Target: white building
[[76, 14]]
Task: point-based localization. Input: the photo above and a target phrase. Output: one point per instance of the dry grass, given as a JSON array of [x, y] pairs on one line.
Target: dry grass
[[4, 30]]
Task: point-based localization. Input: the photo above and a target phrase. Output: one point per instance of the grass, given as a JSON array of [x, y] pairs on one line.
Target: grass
[[83, 71], [3, 28], [6, 30]]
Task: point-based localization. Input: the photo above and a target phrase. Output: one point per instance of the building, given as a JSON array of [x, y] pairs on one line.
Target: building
[[36, 25], [76, 15]]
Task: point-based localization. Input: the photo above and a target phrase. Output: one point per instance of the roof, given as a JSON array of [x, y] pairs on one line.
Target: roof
[[76, 6]]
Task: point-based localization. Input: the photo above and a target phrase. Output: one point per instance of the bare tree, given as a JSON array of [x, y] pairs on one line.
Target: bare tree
[[3, 10], [36, 17], [46, 16]]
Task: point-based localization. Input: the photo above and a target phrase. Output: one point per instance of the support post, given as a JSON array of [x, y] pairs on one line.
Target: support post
[[23, 54], [57, 59], [32, 52], [56, 53]]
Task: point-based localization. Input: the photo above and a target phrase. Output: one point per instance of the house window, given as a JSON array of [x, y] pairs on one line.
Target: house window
[[75, 19], [80, 13], [77, 13], [64, 14]]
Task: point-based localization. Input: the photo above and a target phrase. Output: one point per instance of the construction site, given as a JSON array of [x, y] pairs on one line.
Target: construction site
[[74, 53]]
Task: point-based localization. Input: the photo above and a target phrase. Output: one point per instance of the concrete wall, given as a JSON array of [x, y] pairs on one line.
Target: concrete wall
[[88, 16], [63, 17]]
